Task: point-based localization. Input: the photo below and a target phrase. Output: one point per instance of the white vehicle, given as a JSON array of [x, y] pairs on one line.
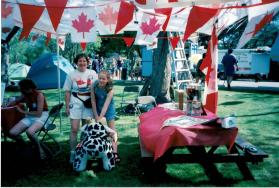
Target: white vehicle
[[251, 62]]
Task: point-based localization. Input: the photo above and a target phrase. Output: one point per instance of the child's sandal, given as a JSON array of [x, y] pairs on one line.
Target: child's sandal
[[116, 158]]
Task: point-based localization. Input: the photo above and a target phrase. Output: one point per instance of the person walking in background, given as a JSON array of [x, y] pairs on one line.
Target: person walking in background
[[230, 63], [101, 63], [78, 83], [35, 117], [95, 64], [103, 105], [200, 75], [119, 64]]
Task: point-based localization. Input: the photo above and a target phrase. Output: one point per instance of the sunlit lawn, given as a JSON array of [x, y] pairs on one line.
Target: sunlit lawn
[[257, 119]]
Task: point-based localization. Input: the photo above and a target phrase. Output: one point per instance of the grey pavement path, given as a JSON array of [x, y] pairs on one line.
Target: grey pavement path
[[251, 85]]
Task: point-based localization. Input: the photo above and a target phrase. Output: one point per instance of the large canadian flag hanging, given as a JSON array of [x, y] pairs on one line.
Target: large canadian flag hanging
[[107, 18], [258, 17], [209, 68], [149, 27], [83, 25]]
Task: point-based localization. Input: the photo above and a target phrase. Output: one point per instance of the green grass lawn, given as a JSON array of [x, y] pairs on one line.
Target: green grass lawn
[[257, 119]]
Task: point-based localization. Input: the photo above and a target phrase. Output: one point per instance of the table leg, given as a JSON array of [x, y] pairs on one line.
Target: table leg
[[245, 171], [209, 167]]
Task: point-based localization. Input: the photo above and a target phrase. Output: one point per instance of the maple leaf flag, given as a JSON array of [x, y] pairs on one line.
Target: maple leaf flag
[[107, 18], [258, 17], [83, 22], [61, 42], [209, 68], [150, 26], [7, 22]]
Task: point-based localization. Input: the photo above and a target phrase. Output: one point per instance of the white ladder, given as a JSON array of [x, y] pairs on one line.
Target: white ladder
[[182, 73]]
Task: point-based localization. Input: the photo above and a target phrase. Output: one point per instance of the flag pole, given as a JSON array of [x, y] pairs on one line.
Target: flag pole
[[58, 75]]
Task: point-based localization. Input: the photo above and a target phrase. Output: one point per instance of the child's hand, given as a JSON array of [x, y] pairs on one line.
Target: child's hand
[[113, 135]]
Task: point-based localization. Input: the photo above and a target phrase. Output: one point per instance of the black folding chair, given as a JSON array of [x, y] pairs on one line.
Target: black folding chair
[[49, 125], [129, 96]]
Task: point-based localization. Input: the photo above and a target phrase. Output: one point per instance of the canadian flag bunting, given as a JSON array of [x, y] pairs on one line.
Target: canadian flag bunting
[[149, 28], [83, 46], [128, 40], [55, 10], [203, 14], [30, 14], [153, 45], [125, 15], [48, 38], [107, 18], [178, 19], [61, 42], [174, 41], [83, 25], [258, 18], [6, 19], [167, 13], [209, 68]]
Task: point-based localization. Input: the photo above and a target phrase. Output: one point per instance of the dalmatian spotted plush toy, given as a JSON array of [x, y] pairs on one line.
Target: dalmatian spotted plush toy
[[95, 142]]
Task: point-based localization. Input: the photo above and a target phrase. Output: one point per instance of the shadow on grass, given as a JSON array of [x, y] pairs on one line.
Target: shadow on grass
[[259, 114], [231, 103], [21, 167], [266, 90]]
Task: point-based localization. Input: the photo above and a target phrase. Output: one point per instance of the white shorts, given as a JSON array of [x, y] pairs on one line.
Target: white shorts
[[30, 120], [77, 109]]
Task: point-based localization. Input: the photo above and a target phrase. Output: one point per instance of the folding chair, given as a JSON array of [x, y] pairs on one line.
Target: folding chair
[[132, 92], [145, 103], [48, 126]]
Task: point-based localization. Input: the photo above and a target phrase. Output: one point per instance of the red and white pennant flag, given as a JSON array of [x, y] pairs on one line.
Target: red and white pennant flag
[[209, 68], [258, 17], [149, 28], [107, 18], [83, 25]]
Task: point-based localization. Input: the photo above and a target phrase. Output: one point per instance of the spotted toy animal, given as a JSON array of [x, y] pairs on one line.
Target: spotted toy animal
[[95, 142]]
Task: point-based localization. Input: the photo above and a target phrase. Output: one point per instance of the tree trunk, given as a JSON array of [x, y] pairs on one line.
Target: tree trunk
[[4, 63], [161, 70]]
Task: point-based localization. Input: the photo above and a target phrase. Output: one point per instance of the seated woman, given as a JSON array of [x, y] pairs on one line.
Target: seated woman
[[35, 117]]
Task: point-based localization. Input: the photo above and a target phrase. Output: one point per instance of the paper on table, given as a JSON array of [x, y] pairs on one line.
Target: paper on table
[[183, 121], [171, 106]]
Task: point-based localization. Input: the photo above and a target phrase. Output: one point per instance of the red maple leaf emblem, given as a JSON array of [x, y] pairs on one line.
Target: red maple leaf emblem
[[267, 18], [6, 10], [150, 28], [60, 41], [82, 24], [108, 16], [80, 82]]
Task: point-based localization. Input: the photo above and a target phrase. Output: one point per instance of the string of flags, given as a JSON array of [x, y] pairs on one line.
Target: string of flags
[[86, 21]]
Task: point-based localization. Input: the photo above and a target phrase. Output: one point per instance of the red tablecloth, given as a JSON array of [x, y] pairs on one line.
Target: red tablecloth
[[9, 117], [157, 141]]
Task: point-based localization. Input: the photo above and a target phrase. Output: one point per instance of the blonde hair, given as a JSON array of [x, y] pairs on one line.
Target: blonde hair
[[109, 85]]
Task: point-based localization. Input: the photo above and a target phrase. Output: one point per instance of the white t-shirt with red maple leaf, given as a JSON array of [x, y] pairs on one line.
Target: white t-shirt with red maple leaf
[[80, 82]]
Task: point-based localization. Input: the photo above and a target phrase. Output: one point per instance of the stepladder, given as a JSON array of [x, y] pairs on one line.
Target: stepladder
[[181, 70]]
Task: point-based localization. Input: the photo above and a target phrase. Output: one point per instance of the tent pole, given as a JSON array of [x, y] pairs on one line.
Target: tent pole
[[58, 74]]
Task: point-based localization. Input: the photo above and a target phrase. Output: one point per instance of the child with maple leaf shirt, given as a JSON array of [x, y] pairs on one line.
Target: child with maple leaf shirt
[[103, 105], [77, 84]]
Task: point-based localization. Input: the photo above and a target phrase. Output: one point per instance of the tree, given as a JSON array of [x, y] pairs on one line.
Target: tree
[[160, 80]]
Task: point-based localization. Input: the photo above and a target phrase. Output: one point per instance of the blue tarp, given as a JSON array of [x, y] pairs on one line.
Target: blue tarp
[[44, 71]]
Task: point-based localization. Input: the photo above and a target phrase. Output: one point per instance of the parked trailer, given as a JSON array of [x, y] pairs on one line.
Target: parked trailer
[[251, 62]]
